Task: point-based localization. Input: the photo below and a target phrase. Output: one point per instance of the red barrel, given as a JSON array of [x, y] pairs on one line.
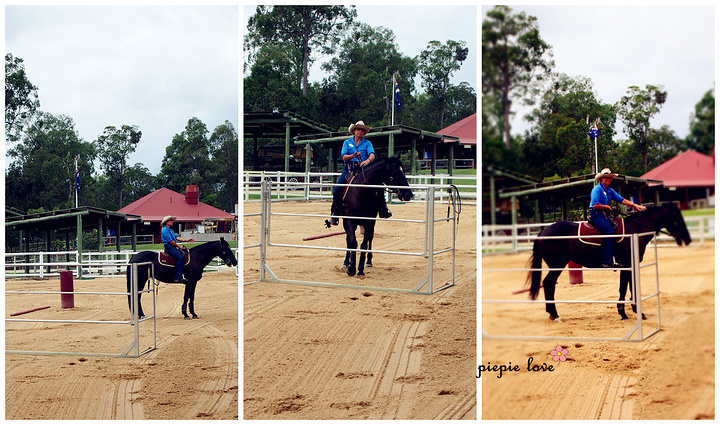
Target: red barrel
[[66, 285], [575, 271]]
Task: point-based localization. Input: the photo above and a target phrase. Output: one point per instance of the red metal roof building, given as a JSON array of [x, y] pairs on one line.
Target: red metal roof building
[[188, 210], [466, 131], [688, 178]]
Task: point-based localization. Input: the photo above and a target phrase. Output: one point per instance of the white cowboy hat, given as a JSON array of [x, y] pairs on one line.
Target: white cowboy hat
[[166, 219], [605, 173], [358, 124]]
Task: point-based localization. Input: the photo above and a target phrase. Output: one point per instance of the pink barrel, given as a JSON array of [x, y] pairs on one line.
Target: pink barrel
[[66, 285], [575, 271]]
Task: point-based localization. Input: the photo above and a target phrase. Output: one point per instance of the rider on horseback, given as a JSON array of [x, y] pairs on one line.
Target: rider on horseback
[[600, 198], [357, 152], [169, 239]]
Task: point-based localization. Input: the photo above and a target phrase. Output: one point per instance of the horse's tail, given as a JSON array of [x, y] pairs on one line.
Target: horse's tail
[[533, 277]]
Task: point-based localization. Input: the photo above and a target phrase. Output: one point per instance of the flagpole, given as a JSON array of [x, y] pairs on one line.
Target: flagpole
[[392, 100], [77, 182]]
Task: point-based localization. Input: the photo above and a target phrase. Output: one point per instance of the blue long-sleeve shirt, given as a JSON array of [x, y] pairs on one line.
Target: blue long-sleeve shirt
[[603, 195]]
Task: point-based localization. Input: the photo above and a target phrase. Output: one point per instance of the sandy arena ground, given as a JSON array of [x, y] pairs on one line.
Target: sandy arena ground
[[670, 375], [337, 353], [193, 373]]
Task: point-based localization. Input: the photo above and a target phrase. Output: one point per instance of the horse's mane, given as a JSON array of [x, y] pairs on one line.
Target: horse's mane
[[650, 210]]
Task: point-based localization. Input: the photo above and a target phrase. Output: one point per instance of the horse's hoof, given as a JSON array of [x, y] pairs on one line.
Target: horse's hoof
[[368, 265], [557, 320], [187, 317], [351, 271], [644, 317], [623, 318], [195, 316]]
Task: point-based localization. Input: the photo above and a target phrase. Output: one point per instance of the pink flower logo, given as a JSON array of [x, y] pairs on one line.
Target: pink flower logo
[[559, 354]]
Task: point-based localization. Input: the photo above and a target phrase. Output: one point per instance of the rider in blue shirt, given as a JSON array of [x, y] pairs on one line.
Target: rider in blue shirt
[[356, 152], [600, 198], [170, 241]]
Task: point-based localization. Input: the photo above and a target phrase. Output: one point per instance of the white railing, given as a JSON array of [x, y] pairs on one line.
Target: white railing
[[495, 238], [49, 264], [291, 185]]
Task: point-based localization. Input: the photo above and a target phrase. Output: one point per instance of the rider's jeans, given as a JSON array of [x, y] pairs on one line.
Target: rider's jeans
[[603, 225]]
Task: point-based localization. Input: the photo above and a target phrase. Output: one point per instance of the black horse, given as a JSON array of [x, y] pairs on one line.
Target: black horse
[[200, 256], [363, 201], [558, 252]]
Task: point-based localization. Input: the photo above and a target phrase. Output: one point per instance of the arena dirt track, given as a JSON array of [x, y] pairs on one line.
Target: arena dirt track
[[335, 353], [192, 375], [668, 376]]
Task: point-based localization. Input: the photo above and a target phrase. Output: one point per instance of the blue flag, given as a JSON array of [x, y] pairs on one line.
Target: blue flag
[[77, 179], [397, 96], [593, 133]]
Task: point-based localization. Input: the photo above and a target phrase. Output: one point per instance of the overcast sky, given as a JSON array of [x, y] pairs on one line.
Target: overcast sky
[[414, 27], [621, 46], [151, 66]]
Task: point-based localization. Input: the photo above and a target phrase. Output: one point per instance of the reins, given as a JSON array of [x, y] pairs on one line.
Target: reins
[[629, 218]]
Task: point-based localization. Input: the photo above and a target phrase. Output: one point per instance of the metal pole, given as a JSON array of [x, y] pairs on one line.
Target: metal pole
[[431, 236], [637, 296], [264, 200], [135, 318]]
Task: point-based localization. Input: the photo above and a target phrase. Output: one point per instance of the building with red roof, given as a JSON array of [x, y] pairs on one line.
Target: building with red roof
[[466, 131], [689, 179], [192, 215]]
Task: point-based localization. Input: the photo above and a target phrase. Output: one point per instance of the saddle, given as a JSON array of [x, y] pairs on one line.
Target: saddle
[[167, 260], [587, 229]]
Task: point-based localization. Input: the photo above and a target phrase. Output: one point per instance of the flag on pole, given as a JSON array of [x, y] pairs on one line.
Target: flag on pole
[[77, 178], [397, 96], [594, 133]]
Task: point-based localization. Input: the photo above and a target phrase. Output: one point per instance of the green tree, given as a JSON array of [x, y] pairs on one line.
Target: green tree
[[702, 125], [224, 146], [436, 64], [635, 110], [558, 142], [461, 102], [113, 148], [42, 174], [187, 160], [21, 98], [360, 84], [271, 83], [513, 57], [310, 29]]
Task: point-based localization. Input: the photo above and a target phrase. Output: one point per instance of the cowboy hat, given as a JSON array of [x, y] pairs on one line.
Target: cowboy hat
[[166, 219], [605, 173], [359, 124]]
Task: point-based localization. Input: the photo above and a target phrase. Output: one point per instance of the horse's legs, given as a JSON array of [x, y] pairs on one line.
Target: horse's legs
[[351, 241], [369, 254], [549, 289], [625, 280], [367, 238], [189, 299], [142, 274]]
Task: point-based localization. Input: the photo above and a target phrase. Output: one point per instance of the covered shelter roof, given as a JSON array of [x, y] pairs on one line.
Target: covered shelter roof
[[277, 124], [689, 169], [403, 137], [66, 220], [574, 187], [155, 206], [465, 130]]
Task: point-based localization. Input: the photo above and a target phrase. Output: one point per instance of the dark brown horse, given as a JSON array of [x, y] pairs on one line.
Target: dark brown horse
[[200, 256], [557, 253], [364, 201]]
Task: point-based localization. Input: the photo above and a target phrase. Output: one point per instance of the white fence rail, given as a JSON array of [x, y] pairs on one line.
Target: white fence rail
[[290, 185], [515, 238], [50, 264]]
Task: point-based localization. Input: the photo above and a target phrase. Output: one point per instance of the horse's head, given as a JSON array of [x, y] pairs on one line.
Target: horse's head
[[675, 224], [226, 253], [395, 176]]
